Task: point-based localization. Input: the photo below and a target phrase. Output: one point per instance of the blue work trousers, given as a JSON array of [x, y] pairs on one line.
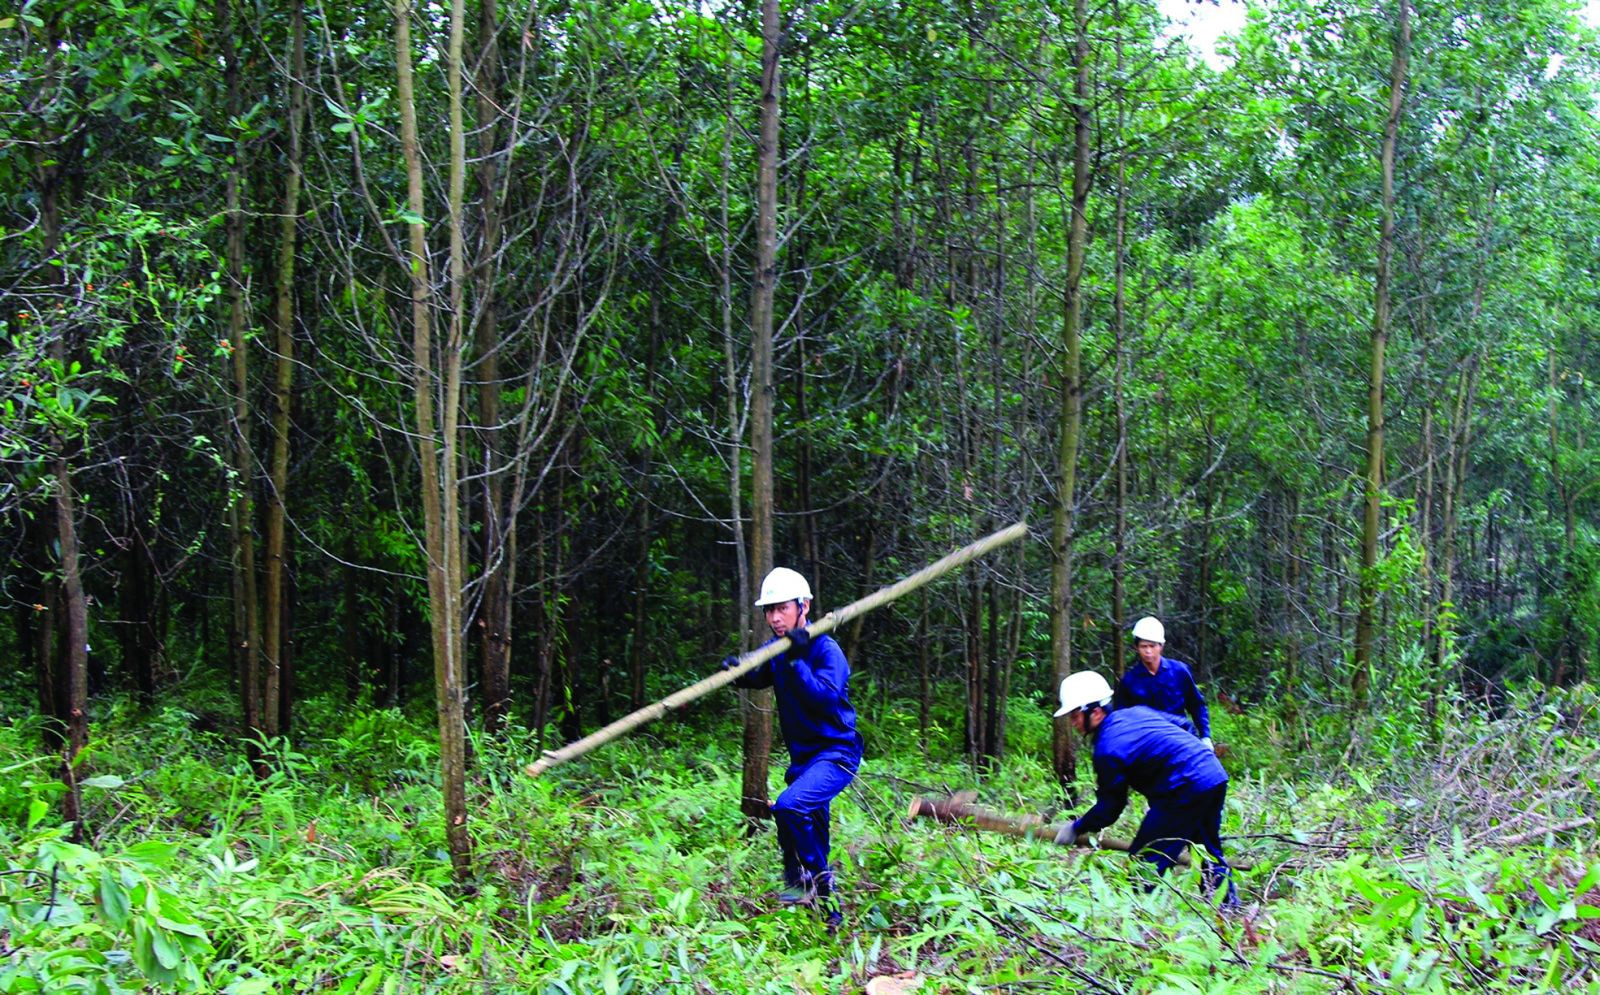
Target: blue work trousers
[[801, 813], [1171, 825]]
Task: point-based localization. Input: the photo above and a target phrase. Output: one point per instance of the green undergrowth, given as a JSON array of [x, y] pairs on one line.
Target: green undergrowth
[[1458, 863]]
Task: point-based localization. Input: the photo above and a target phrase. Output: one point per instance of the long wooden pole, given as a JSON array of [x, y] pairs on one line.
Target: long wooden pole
[[958, 810], [755, 658]]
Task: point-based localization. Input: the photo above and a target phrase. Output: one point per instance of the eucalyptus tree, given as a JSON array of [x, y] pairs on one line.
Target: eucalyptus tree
[[245, 631], [1370, 522], [436, 444], [1069, 378], [758, 704], [498, 548], [273, 636]]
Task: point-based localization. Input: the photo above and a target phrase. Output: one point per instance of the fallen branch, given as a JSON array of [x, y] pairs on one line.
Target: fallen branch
[[1534, 834], [958, 810], [757, 657]]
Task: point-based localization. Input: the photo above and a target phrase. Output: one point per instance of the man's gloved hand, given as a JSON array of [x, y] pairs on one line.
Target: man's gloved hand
[[1205, 741], [799, 639], [1067, 835], [729, 662]]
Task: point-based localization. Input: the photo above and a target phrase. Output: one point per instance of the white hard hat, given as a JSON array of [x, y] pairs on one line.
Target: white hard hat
[[1083, 689], [781, 585], [1149, 630]]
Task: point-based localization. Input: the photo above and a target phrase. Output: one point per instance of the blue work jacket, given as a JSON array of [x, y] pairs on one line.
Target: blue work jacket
[[813, 696], [1170, 689], [1155, 754]]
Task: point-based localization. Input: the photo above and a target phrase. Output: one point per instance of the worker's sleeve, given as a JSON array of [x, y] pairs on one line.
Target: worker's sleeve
[[1195, 705], [1182, 722], [1111, 796], [821, 675], [761, 677]]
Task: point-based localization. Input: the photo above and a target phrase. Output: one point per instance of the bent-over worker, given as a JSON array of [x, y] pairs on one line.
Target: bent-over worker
[[1156, 755], [811, 685]]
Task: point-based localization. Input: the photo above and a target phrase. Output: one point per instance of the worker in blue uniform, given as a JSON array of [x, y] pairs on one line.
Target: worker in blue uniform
[[1163, 684], [1157, 755], [811, 686]]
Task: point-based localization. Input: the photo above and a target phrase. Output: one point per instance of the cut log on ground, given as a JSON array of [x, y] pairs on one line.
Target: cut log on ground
[[959, 810], [757, 657]]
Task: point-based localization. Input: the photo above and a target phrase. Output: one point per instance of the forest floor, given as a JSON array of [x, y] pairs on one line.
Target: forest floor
[[1435, 856]]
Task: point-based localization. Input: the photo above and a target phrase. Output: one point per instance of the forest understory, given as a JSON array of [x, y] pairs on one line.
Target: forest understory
[[1391, 852]]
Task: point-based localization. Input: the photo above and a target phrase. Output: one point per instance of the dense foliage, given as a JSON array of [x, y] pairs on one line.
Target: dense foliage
[[396, 360]]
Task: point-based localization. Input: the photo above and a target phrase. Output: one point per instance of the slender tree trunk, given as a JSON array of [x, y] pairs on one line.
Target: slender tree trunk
[[495, 616], [388, 649], [1371, 521], [758, 707], [450, 685], [51, 683], [994, 660], [730, 372], [1567, 624], [564, 598], [641, 611], [71, 677], [439, 505], [284, 319], [37, 609], [351, 629], [246, 630], [544, 623], [1291, 594], [972, 657], [286, 647], [994, 702], [74, 635], [1068, 374], [1119, 540], [924, 674], [1013, 643], [1425, 522]]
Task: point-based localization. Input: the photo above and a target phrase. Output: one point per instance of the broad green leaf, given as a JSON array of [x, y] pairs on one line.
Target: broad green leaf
[[151, 853], [113, 899]]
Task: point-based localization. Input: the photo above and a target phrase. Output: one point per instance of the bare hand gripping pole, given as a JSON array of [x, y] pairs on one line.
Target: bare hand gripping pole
[[757, 657]]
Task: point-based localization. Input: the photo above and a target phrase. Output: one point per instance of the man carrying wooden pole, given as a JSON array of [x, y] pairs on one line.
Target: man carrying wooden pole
[[757, 657], [811, 685]]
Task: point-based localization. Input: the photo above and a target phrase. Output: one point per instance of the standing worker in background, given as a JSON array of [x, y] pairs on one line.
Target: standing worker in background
[[810, 682], [1155, 754], [1163, 684]]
